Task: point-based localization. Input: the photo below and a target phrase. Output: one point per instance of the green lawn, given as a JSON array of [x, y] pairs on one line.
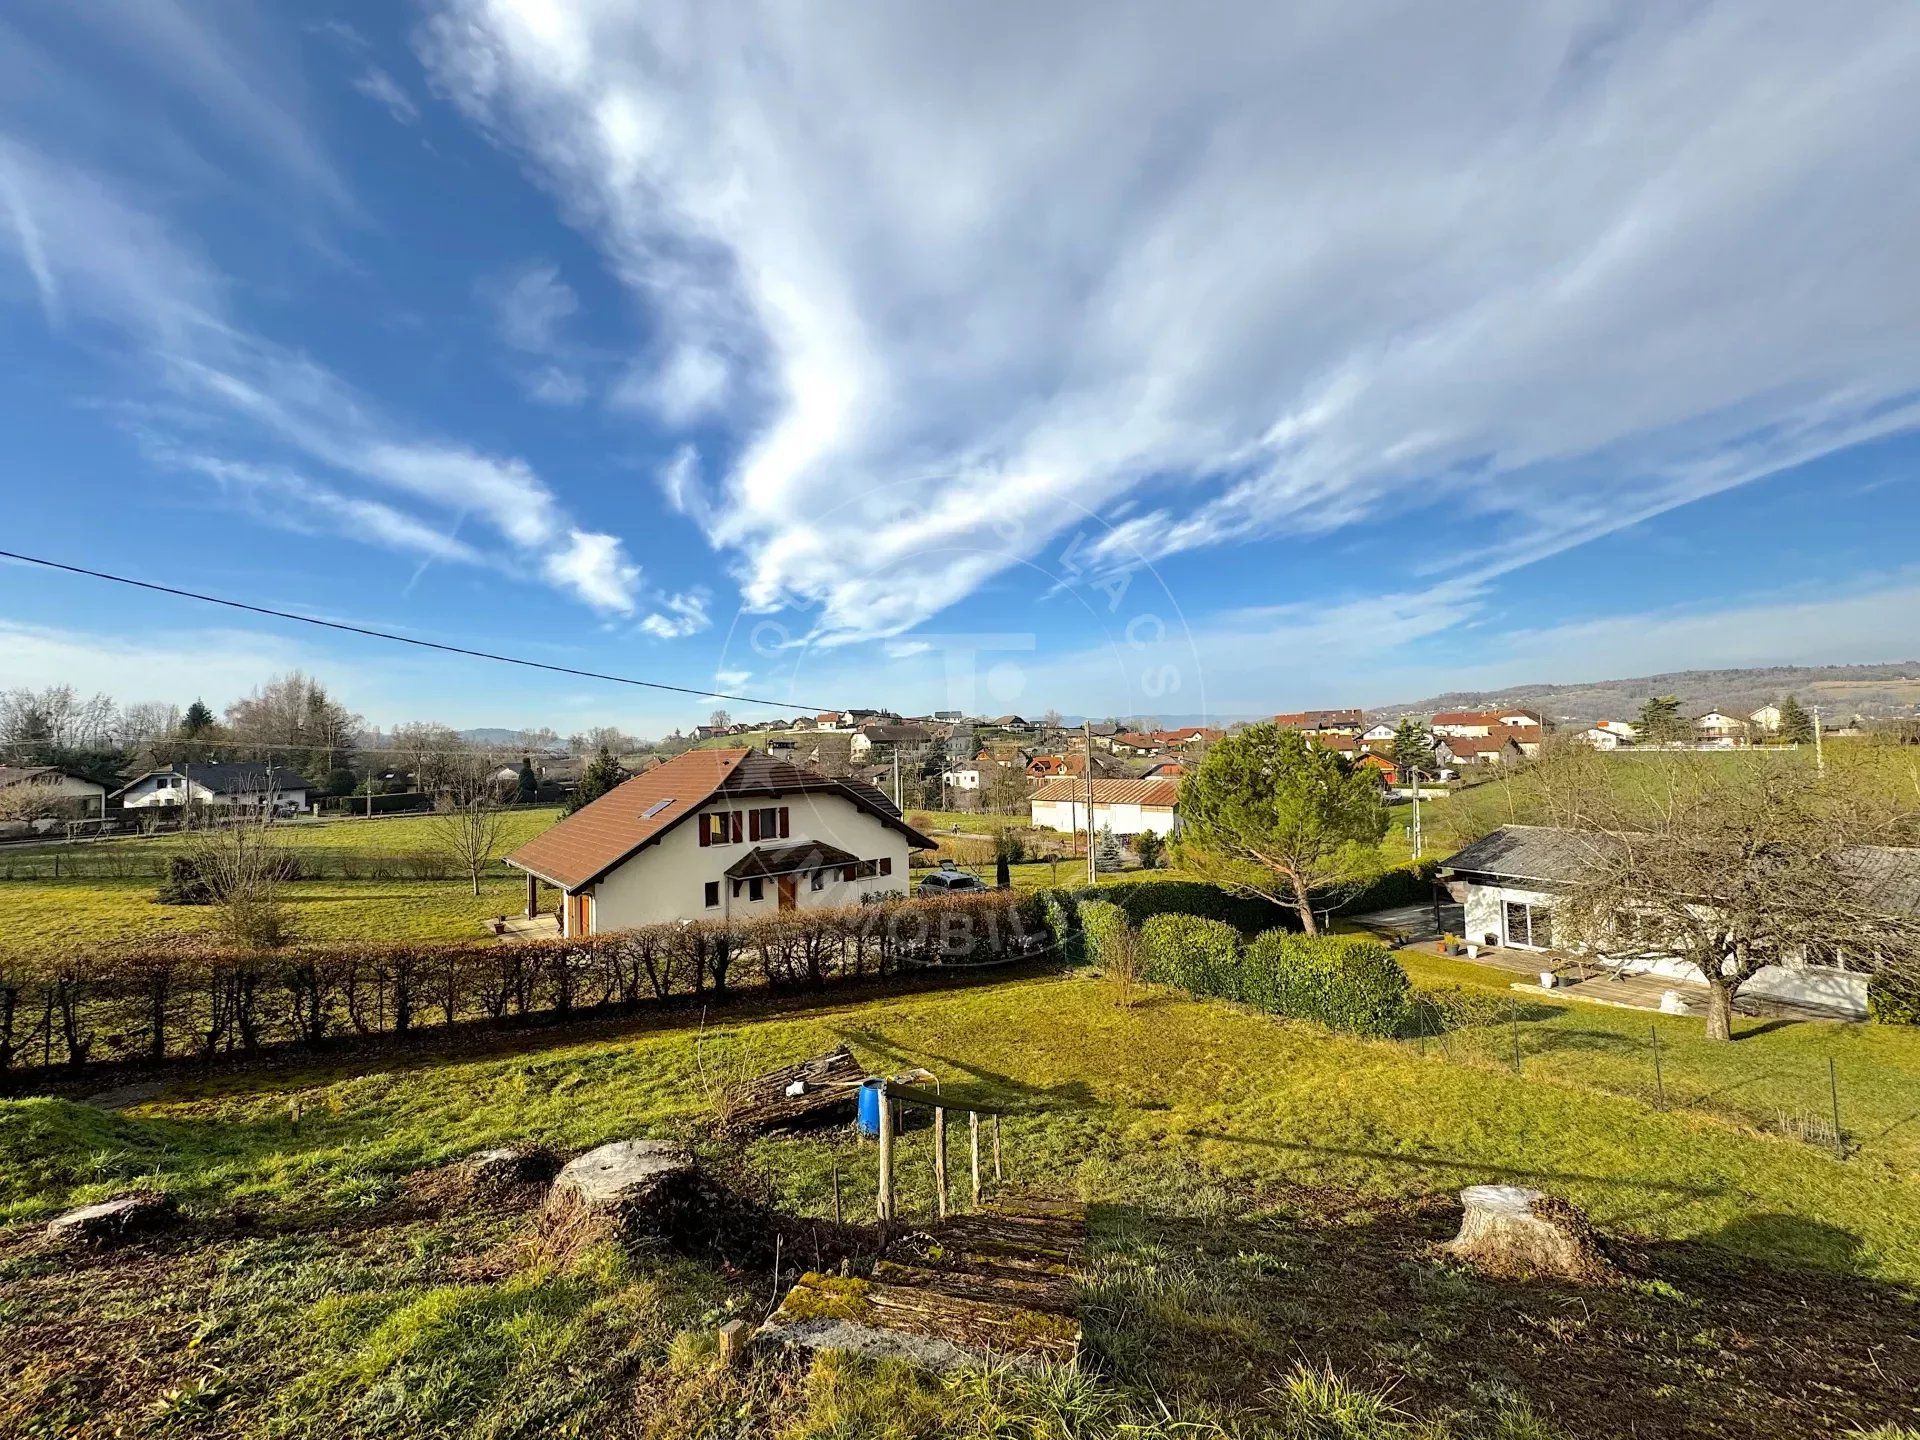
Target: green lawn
[[1289, 1156]]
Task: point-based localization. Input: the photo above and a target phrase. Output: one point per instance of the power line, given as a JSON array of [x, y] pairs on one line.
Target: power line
[[403, 639]]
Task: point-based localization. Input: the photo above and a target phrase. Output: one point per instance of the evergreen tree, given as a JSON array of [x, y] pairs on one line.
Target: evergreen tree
[[1796, 725], [603, 772], [197, 721], [1106, 850], [1149, 846], [527, 789], [1413, 749], [1661, 722]]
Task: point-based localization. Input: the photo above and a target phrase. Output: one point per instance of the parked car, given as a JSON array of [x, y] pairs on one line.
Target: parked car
[[950, 882]]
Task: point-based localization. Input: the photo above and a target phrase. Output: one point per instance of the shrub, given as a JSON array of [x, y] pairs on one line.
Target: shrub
[[1893, 997], [1059, 913], [1196, 954], [1409, 884], [188, 883], [1100, 922], [1142, 899], [1345, 982]]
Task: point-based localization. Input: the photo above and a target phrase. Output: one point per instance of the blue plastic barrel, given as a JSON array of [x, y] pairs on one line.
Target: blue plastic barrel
[[868, 1115]]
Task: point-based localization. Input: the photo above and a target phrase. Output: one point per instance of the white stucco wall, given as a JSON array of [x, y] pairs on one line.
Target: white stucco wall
[[1067, 816], [667, 880]]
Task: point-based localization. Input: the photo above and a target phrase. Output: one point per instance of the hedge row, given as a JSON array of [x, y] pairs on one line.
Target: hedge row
[[1345, 982], [1893, 997], [1409, 884], [1140, 900], [155, 1004]]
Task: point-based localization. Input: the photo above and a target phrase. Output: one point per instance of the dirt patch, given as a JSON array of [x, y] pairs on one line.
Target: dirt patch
[[1687, 1339]]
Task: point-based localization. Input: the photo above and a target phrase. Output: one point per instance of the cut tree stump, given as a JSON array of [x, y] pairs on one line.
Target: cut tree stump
[[1514, 1231], [618, 1186], [112, 1220]]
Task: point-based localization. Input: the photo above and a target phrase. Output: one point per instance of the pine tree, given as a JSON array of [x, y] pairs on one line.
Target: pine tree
[[1106, 850], [197, 719], [527, 788], [1661, 722], [1413, 749], [1796, 725], [603, 772]]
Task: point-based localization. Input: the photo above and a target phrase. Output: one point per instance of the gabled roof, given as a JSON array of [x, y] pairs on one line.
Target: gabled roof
[[239, 777], [768, 860], [1112, 792], [594, 839], [20, 774]]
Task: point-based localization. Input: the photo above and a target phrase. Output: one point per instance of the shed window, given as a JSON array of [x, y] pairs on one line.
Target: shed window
[[819, 879], [1529, 925]]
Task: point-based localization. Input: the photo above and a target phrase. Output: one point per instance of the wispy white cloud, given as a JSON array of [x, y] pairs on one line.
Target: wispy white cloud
[[679, 616], [531, 307], [377, 85], [112, 264], [1334, 265]]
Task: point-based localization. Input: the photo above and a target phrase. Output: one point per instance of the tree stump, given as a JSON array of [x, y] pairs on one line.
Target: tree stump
[[618, 1188], [112, 1220], [1514, 1231]]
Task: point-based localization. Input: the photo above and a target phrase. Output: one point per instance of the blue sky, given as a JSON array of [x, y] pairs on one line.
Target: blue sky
[[1110, 359]]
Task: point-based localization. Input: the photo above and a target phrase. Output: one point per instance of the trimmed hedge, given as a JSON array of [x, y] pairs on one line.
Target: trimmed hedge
[[1101, 922], [1059, 912], [1893, 997], [1345, 982], [1409, 884], [187, 1001], [1194, 953], [1143, 899]]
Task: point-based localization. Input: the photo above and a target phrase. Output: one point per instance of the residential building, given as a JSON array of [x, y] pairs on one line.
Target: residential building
[[714, 834], [1165, 770], [1478, 724], [1602, 737], [1126, 807], [1381, 731], [1718, 726], [68, 787], [242, 785], [1766, 718], [1133, 742], [906, 740], [1625, 729], [1349, 721], [1509, 882]]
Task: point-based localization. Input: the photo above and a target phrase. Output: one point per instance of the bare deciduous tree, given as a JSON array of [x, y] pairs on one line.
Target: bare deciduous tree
[[469, 822], [1733, 868], [241, 868]]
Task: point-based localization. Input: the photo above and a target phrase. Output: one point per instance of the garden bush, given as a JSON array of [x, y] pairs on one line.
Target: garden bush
[[1893, 997], [1409, 884], [1059, 914], [1345, 982], [1194, 953], [1100, 922], [1143, 899]]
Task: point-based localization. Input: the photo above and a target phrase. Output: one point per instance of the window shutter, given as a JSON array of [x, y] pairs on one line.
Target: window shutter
[[753, 824], [706, 830], [783, 822], [737, 827]]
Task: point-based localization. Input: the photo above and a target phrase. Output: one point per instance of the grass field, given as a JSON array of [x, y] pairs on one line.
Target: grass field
[[1249, 1177]]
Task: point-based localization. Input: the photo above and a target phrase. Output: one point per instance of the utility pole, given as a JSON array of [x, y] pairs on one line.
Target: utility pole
[[1416, 814], [1086, 735], [896, 778], [1819, 751]]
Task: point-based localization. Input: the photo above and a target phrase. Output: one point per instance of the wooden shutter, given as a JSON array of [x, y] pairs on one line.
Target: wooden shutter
[[737, 827], [706, 830], [753, 825], [783, 822]]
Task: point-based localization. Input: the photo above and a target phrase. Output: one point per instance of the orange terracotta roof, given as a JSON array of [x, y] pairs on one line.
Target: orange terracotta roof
[[1111, 792], [581, 848]]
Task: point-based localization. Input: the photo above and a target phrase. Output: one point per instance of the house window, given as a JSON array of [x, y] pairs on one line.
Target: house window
[[886, 866], [713, 829], [1529, 926], [767, 823], [713, 894], [756, 888], [819, 879]]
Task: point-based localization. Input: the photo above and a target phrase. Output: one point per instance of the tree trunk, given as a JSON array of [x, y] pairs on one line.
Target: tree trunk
[[1719, 1009], [1303, 904]]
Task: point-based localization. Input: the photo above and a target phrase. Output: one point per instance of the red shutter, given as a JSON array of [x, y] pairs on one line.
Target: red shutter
[[783, 822], [706, 830], [737, 827], [753, 825]]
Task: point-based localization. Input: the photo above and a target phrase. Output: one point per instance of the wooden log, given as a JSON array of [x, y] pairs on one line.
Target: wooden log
[[827, 1084], [884, 1200], [973, 1137], [1515, 1231], [940, 1160], [733, 1342]]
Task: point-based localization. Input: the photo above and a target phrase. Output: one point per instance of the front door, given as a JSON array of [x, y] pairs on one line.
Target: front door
[[789, 891], [579, 915]]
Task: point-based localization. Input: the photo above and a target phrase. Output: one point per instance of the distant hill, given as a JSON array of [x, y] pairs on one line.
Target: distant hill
[[1842, 691], [492, 735]]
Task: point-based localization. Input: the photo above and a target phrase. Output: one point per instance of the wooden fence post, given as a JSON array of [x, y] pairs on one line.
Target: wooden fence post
[[885, 1199], [973, 1136], [733, 1342], [998, 1177], [940, 1159]]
